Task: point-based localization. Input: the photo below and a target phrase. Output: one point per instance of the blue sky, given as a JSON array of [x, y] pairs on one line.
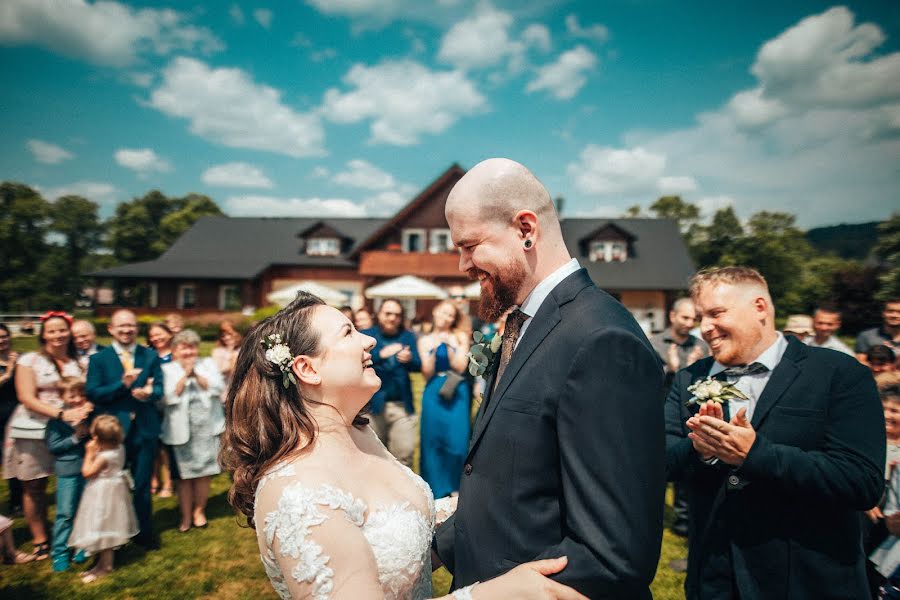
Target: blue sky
[[351, 107]]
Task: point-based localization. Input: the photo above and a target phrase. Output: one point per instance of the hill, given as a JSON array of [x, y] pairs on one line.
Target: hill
[[846, 240]]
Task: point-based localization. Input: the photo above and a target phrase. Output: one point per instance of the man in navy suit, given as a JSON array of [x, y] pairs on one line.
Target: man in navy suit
[[119, 383], [567, 456], [776, 478]]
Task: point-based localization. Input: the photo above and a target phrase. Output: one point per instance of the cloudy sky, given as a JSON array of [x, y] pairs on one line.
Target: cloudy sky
[[350, 107]]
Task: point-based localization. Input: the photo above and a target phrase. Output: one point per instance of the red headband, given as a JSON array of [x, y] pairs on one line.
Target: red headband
[[51, 314]]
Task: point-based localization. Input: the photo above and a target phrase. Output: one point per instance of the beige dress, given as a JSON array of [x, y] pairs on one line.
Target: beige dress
[[25, 454]]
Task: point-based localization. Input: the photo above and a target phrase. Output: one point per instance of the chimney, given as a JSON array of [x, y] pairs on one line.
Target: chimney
[[559, 203]]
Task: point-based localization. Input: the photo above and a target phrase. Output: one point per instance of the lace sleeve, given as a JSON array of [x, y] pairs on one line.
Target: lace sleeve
[[312, 543], [444, 508]]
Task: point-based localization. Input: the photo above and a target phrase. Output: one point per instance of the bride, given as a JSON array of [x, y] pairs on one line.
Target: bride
[[336, 516]]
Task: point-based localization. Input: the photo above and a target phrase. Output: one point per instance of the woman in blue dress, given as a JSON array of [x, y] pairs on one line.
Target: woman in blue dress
[[446, 408]]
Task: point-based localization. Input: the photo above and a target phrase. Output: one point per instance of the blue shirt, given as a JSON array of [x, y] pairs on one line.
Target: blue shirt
[[395, 384]]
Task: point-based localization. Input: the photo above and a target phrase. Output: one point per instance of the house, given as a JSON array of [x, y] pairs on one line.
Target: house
[[229, 263]]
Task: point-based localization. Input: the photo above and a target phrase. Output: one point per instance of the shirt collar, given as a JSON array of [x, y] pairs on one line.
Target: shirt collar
[[119, 348], [540, 292], [770, 357]]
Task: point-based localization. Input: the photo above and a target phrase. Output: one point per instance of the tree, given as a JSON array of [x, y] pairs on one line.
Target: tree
[[23, 228], [145, 227], [888, 251], [673, 207], [75, 219]]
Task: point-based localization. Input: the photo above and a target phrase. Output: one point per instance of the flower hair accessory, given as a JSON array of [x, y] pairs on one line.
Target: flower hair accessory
[[54, 314], [278, 353]]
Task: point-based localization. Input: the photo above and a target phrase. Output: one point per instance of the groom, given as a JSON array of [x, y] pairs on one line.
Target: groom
[[567, 456]]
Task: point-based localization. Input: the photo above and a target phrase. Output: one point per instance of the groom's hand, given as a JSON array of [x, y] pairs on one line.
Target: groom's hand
[[708, 409], [730, 442]]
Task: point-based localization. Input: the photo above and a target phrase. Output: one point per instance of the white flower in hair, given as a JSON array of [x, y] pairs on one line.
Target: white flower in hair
[[278, 353]]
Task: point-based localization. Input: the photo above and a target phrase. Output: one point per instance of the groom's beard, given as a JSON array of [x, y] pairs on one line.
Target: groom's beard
[[498, 292]]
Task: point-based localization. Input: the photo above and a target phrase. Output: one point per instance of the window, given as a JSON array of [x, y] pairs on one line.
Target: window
[[187, 296], [229, 297], [414, 240], [607, 251], [323, 247], [153, 301], [440, 241]]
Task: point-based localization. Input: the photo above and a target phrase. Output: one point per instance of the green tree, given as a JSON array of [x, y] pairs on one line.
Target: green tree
[[75, 219], [888, 251], [185, 213], [23, 229]]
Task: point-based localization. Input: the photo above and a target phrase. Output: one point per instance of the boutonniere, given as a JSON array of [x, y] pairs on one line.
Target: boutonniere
[[278, 353], [484, 354], [715, 390]]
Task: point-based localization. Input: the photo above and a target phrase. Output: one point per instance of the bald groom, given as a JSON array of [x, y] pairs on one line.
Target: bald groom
[[567, 456]]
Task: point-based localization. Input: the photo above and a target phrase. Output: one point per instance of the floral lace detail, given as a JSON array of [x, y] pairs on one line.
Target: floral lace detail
[[444, 508], [295, 515], [270, 564], [400, 537], [464, 593], [284, 469]]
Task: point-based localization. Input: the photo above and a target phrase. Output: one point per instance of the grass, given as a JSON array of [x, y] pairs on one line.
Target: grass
[[221, 561]]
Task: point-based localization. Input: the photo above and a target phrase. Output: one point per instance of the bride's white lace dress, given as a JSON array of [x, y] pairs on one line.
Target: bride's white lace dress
[[297, 522]]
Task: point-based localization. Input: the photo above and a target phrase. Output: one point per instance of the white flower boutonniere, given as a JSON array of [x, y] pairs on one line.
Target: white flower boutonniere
[[484, 354], [715, 390]]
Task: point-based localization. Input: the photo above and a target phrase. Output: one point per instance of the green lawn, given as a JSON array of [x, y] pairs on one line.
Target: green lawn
[[221, 561]]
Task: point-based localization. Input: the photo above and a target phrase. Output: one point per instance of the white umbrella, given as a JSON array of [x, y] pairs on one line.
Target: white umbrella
[[286, 295], [473, 290], [406, 286]]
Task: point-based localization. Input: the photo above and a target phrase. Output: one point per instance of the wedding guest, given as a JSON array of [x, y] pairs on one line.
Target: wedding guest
[[446, 408], [826, 323], [467, 321], [888, 334], [193, 422], [362, 319], [8, 403], [881, 359], [798, 326], [777, 475], [8, 553], [85, 338], [336, 515], [25, 454], [347, 311], [66, 443], [106, 519], [159, 338], [174, 322], [124, 379], [395, 357], [226, 351], [678, 348]]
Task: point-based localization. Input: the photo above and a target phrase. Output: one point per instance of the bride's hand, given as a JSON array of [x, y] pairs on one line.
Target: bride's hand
[[528, 581]]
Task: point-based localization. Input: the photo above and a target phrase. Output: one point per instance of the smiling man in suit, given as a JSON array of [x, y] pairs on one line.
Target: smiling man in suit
[[777, 477], [567, 456], [118, 383]]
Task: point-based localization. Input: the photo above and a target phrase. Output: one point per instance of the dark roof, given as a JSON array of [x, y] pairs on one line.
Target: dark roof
[[659, 259], [242, 247]]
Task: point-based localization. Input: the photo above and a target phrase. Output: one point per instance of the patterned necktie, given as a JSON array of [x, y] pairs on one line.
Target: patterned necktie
[[742, 370], [127, 361], [510, 335]]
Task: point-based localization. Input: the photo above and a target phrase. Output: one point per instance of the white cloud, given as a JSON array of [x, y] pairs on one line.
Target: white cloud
[[100, 192], [48, 153], [480, 41], [236, 174], [225, 105], [596, 32], [751, 109], [140, 79], [323, 55], [564, 78], [387, 203], [605, 170], [404, 99], [709, 205], [263, 16], [363, 174], [676, 185], [142, 161], [271, 206], [104, 33], [236, 14], [320, 172], [537, 36]]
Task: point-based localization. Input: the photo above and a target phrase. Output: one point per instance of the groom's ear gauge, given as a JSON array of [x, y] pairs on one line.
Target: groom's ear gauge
[[528, 244]]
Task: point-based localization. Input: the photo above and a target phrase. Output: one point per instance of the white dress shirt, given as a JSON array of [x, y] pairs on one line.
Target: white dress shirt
[[832, 343], [753, 385], [540, 292]]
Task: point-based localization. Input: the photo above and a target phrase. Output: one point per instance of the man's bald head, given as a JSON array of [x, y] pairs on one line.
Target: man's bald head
[[499, 188]]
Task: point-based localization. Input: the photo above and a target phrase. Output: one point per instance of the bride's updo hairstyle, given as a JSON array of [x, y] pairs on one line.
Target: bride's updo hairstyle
[[264, 421]]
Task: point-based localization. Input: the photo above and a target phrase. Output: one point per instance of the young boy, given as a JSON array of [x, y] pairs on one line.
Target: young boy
[[67, 444]]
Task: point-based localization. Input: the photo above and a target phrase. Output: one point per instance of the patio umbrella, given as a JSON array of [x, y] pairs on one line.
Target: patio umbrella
[[286, 295], [406, 286], [473, 290]]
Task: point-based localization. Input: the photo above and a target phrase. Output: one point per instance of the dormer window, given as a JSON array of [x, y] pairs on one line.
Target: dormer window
[[608, 251], [440, 241], [323, 246], [413, 240]]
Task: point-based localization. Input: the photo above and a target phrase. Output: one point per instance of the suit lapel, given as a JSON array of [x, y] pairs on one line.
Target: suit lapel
[[782, 378]]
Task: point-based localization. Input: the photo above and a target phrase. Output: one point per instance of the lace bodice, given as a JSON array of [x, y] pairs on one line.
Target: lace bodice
[[300, 527]]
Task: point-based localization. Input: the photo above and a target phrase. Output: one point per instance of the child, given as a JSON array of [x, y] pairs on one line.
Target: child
[[106, 517], [67, 445]]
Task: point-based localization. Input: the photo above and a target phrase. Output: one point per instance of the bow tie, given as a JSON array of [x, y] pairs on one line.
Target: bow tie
[[742, 370]]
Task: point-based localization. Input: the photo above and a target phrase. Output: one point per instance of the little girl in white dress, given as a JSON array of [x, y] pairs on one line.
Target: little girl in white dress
[[106, 517]]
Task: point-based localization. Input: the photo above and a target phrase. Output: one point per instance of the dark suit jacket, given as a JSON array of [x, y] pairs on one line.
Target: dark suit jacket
[[105, 390], [785, 524], [568, 457], [66, 447]]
